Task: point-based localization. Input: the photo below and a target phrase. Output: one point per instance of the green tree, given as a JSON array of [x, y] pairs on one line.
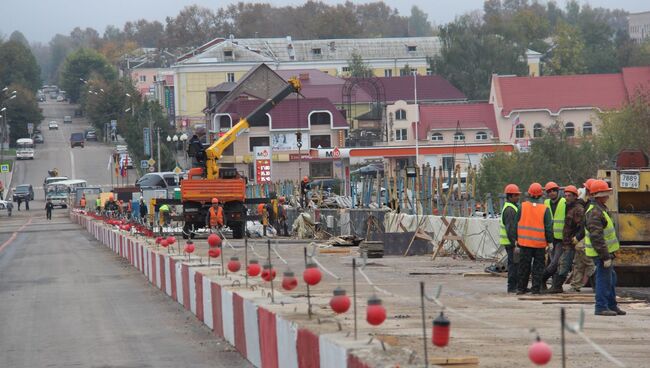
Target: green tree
[[82, 65], [469, 56], [568, 52], [18, 66], [628, 127], [21, 110], [19, 37], [358, 68], [418, 23]]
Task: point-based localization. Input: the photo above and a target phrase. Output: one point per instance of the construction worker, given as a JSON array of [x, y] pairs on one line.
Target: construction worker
[[98, 205], [165, 215], [601, 245], [534, 234], [215, 215], [573, 232], [272, 211], [282, 218], [583, 266], [303, 191], [111, 205], [508, 233], [557, 205], [143, 211], [48, 209], [82, 201]]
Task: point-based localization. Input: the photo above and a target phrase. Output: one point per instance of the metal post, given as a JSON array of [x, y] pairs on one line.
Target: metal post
[[271, 269], [158, 130], [245, 259], [562, 324], [354, 294], [424, 326], [308, 293]]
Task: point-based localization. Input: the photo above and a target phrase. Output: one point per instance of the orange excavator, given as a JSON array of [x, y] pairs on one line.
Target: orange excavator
[[225, 183]]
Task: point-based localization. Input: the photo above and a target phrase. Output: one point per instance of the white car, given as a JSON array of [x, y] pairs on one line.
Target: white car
[[53, 125], [6, 206]]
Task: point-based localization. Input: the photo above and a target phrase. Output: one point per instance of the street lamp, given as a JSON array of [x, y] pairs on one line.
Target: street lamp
[[184, 140]]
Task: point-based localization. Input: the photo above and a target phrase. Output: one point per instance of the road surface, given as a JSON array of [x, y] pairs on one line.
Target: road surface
[[67, 301]]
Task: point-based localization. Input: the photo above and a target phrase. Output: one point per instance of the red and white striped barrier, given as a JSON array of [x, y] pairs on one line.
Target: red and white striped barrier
[[260, 335]]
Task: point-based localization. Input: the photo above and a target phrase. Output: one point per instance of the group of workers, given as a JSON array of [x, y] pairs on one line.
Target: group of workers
[[548, 239], [274, 213]]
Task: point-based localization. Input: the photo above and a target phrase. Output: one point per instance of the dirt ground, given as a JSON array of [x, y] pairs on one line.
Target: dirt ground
[[485, 321]]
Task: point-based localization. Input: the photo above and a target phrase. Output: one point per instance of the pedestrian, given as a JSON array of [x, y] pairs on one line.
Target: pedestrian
[[303, 191], [215, 215], [601, 245], [98, 205], [583, 266], [557, 205], [19, 200], [573, 233], [82, 201], [27, 203], [282, 218], [143, 211], [48, 209], [165, 215], [534, 234], [508, 233]]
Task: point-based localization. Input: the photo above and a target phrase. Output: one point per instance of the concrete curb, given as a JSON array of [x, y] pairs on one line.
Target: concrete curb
[[243, 317]]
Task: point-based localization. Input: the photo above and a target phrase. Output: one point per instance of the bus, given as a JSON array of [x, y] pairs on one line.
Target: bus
[[59, 192], [25, 149]]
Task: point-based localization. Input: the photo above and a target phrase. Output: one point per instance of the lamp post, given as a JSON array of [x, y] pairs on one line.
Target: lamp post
[[184, 140]]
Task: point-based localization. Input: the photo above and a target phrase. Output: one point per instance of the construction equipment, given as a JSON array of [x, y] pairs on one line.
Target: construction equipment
[[225, 183], [629, 206]]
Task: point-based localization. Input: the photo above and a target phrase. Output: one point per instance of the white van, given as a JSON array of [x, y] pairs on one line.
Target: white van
[[25, 149], [59, 192]]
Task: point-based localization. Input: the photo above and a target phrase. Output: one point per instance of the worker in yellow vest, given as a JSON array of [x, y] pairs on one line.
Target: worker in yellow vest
[[557, 206], [601, 245], [508, 233]]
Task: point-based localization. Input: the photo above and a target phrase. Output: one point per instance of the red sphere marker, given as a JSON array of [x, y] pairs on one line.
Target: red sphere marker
[[376, 313], [441, 331], [540, 352], [289, 281], [214, 252], [340, 303], [163, 243], [268, 273], [171, 240], [158, 239], [214, 240], [233, 264], [253, 268], [189, 247], [312, 274]]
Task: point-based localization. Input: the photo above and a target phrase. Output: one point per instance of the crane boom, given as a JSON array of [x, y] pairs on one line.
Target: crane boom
[[215, 151]]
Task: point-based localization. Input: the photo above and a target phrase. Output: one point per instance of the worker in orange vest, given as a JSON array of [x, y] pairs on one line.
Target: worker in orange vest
[[215, 215], [534, 234], [82, 201]]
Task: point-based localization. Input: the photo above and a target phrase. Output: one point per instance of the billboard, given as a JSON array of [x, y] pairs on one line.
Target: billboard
[[286, 141], [262, 155]]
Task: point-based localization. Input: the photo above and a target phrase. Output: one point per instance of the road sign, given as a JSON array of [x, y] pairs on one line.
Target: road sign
[[177, 170], [4, 168], [113, 124], [152, 169], [144, 164], [151, 162], [30, 128], [146, 139]]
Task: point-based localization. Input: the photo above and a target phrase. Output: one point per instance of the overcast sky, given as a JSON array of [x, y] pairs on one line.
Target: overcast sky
[[40, 20]]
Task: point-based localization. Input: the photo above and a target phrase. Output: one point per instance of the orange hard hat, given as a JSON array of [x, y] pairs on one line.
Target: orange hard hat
[[215, 200], [535, 190], [551, 185], [587, 184], [110, 197], [305, 179], [599, 188], [571, 189], [512, 189]]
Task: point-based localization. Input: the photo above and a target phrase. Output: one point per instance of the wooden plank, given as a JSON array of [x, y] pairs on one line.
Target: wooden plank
[[454, 360], [334, 250], [590, 302], [485, 274]]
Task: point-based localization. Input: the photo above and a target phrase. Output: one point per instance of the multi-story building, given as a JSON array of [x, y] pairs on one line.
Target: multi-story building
[[639, 26], [227, 60]]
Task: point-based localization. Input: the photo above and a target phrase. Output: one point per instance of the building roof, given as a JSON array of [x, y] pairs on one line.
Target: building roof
[[555, 93], [287, 49], [430, 88], [479, 115], [291, 113], [636, 80], [316, 83]]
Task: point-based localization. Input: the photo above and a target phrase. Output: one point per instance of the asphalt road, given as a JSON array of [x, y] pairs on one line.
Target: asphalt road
[[66, 300]]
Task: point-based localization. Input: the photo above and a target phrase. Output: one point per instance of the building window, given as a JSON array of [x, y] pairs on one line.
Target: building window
[[322, 141], [263, 121], [404, 72], [587, 128], [481, 136], [321, 169], [429, 71], [143, 78], [537, 130], [520, 131], [320, 118], [400, 114], [345, 69], [448, 163], [412, 48], [388, 72], [316, 51], [458, 136], [401, 134], [569, 129], [257, 142], [154, 78], [230, 77], [225, 122], [227, 53], [437, 137]]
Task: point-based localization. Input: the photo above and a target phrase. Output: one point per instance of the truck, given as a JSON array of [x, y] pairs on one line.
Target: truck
[[209, 180], [629, 207]]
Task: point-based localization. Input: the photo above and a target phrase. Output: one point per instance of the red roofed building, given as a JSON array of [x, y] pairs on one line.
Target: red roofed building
[[431, 88], [525, 106]]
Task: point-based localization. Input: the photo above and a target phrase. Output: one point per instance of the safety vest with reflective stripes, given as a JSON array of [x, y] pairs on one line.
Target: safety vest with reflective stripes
[[558, 217], [216, 217], [530, 229], [503, 236], [609, 234]]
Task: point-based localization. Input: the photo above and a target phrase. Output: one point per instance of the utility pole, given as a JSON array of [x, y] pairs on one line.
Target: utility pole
[[158, 131]]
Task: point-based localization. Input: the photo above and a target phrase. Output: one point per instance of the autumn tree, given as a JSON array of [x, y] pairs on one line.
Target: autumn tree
[[628, 127], [567, 53], [80, 66], [21, 110]]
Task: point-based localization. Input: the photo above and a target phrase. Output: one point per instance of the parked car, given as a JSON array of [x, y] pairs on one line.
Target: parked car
[[38, 138], [24, 191], [67, 119], [77, 139], [59, 99], [161, 180], [91, 135], [53, 125]]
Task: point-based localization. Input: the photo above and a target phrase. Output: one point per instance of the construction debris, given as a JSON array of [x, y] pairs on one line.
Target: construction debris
[[345, 241], [304, 226], [372, 248]]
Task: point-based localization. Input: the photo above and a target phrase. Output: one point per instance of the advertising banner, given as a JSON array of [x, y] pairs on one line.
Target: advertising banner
[[262, 156]]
